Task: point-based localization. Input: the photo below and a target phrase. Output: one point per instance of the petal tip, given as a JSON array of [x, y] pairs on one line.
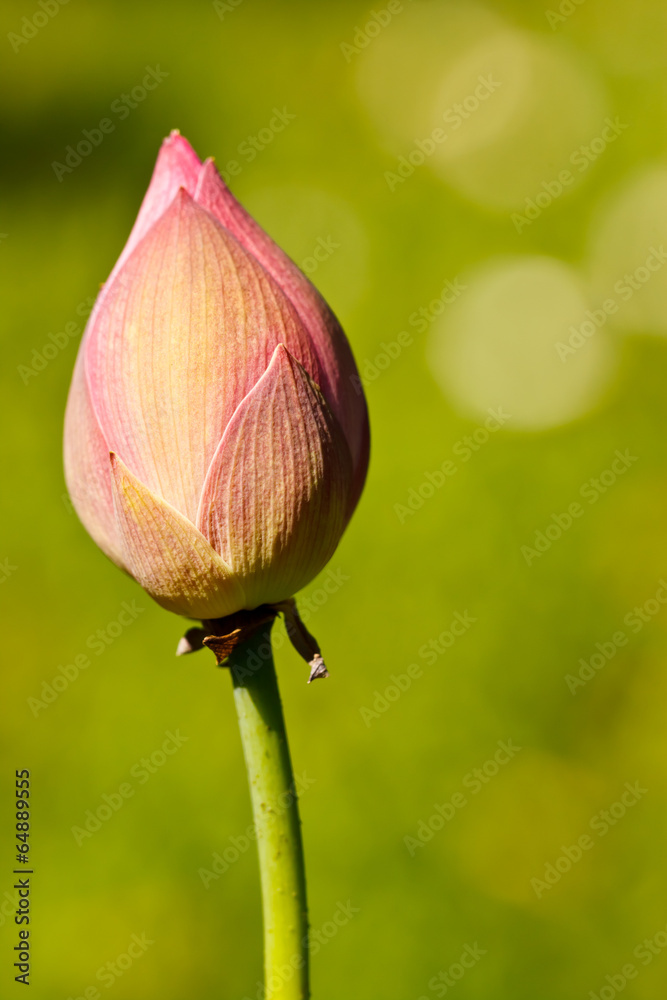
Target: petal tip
[[282, 356], [179, 145]]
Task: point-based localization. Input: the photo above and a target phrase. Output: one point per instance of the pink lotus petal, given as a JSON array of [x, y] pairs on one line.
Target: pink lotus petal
[[87, 468], [340, 383], [184, 333], [177, 166], [275, 498], [166, 554]]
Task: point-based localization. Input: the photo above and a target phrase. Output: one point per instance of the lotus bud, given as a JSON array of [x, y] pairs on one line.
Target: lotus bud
[[216, 441]]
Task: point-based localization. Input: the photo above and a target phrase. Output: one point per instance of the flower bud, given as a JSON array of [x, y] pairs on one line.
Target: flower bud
[[216, 443]]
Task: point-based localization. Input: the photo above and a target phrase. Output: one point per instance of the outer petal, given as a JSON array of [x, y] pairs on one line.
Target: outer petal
[[87, 468], [340, 382], [166, 554], [275, 498], [187, 328], [177, 166]]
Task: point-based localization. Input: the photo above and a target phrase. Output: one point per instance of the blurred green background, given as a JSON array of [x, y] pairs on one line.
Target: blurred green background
[[487, 188]]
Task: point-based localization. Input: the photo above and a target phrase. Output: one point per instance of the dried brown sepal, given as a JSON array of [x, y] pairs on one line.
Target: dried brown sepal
[[305, 644], [223, 645], [225, 634]]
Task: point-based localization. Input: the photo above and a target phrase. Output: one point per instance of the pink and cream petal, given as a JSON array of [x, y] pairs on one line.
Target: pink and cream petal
[[340, 379], [276, 496], [177, 166], [167, 555], [87, 471], [186, 330]]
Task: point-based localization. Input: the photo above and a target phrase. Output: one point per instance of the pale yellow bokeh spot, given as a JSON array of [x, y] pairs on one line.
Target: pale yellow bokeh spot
[[479, 104], [498, 345], [400, 72], [628, 257], [526, 102], [530, 106]]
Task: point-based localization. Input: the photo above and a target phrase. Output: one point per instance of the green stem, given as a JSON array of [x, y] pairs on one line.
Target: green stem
[[276, 815]]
